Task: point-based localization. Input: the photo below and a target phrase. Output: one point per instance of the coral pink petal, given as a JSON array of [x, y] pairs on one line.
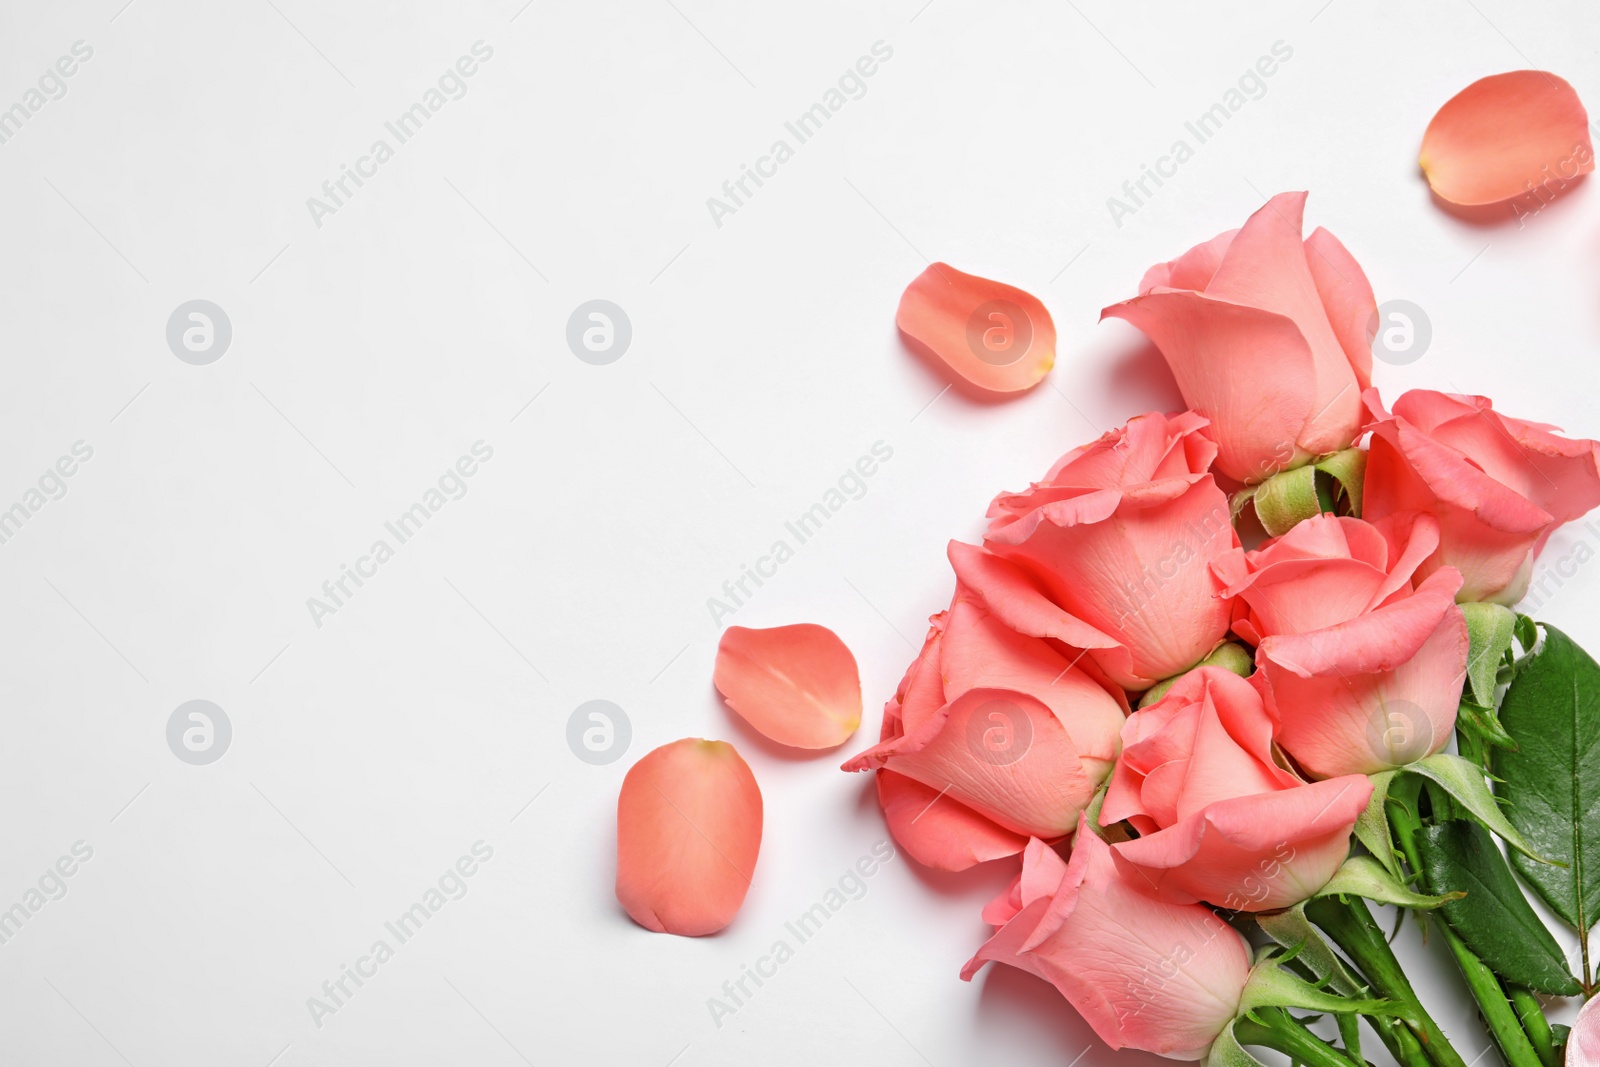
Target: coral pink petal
[[1506, 135], [1365, 722], [982, 651], [1192, 270], [993, 335], [1016, 601], [1347, 298], [939, 832], [1267, 268], [1230, 364], [688, 832], [1003, 754], [797, 684], [1217, 855]]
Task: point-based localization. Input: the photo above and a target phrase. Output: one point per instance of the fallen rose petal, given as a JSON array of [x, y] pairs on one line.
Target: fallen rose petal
[[1506, 135], [688, 831], [995, 336], [796, 684]]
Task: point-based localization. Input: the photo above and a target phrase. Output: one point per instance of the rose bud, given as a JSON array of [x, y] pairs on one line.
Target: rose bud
[[1498, 486], [1144, 973], [1269, 338], [1218, 820], [1109, 553]]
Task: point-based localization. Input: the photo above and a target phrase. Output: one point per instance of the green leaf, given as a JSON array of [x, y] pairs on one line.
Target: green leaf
[[1551, 783], [1489, 629], [1465, 784], [1493, 918]]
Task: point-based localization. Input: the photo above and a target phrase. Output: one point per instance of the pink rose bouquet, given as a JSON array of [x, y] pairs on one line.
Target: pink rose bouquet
[[1184, 729]]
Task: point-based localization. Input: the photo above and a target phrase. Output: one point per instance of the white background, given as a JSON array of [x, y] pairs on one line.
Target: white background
[[368, 354]]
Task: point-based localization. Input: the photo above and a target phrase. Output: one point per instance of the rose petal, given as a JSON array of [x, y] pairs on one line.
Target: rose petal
[[796, 684], [1232, 372], [940, 832], [1002, 753], [688, 831], [1347, 298], [993, 335], [1583, 1044], [1254, 853], [1504, 135]]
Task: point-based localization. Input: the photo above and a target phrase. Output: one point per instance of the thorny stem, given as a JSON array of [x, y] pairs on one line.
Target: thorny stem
[[1350, 925]]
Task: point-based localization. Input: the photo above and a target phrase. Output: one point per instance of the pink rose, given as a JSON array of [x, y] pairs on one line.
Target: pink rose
[[1361, 672], [1108, 554], [993, 737], [1268, 337], [1218, 819], [1145, 974], [1583, 1043], [1497, 485]]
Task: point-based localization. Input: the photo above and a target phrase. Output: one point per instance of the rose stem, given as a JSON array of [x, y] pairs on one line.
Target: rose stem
[[1531, 1012], [1350, 925], [1496, 1010], [1275, 1029]]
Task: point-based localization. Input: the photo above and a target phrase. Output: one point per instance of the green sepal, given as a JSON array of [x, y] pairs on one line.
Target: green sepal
[[1490, 628], [1286, 498], [1227, 1052], [1484, 724], [1372, 825], [1527, 632], [1228, 655], [1291, 929], [1093, 810], [1465, 784], [1363, 876], [1271, 986], [1349, 469]]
